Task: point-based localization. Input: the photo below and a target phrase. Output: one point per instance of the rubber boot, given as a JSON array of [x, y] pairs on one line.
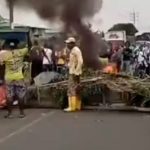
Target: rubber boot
[[73, 103], [69, 105], [78, 103]]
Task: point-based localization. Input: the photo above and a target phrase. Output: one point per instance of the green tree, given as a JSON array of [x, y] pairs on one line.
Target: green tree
[[130, 29]]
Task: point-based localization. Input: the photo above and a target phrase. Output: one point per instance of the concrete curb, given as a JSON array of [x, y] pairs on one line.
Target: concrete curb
[[120, 108]]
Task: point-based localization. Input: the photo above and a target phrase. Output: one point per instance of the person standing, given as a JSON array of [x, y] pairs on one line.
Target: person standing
[[75, 71], [148, 58], [127, 56], [62, 60], [36, 56], [117, 58], [14, 78], [142, 63], [47, 59]]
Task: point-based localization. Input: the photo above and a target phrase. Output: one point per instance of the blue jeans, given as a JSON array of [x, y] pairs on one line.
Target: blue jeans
[[126, 66]]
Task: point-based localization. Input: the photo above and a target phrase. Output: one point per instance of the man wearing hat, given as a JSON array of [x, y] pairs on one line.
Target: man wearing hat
[[75, 71]]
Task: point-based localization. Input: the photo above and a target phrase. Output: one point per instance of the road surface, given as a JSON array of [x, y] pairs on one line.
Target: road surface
[[55, 130]]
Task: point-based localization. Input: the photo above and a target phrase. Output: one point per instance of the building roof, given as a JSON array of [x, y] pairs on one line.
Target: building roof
[[15, 30], [4, 23], [3, 19], [5, 27], [128, 27]]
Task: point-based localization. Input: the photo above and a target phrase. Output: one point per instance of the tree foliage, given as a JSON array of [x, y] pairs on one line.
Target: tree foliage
[[129, 28], [143, 37]]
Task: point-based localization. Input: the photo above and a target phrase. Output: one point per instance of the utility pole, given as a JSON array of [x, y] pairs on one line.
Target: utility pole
[[134, 17], [11, 14]]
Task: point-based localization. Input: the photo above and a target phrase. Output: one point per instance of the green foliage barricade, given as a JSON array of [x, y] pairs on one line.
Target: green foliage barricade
[[96, 88], [54, 95]]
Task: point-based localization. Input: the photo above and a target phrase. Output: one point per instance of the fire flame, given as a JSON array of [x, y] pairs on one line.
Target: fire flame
[[111, 69]]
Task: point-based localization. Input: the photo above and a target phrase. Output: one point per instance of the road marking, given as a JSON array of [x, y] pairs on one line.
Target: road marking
[[21, 130]]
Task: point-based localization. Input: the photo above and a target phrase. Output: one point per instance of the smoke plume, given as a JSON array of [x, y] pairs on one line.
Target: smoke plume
[[72, 13]]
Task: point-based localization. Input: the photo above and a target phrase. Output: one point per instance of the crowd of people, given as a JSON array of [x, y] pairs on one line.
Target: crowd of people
[[42, 59], [132, 59], [47, 59]]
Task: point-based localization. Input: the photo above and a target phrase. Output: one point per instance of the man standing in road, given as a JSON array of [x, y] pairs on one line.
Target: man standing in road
[[75, 71], [16, 89], [127, 55]]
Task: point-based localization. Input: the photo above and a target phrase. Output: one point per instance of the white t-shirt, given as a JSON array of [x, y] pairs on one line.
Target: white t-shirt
[[48, 53], [140, 57]]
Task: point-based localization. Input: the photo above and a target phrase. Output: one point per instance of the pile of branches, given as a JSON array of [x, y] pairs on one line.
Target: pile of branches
[[92, 83], [136, 91]]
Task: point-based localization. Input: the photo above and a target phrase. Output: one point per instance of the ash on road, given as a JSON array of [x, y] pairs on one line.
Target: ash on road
[[55, 130]]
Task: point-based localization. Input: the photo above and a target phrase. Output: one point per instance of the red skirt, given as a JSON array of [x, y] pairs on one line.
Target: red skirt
[[3, 96]]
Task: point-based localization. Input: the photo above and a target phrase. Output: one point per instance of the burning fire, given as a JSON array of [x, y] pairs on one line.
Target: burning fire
[[111, 69]]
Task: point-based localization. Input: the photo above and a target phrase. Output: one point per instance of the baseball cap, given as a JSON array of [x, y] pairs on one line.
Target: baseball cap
[[70, 40], [12, 44]]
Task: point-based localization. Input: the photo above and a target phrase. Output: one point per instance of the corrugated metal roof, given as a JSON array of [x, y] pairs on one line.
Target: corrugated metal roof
[[15, 30], [4, 23]]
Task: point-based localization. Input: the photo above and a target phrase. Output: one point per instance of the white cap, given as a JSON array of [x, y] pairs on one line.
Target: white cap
[[71, 40], [12, 44]]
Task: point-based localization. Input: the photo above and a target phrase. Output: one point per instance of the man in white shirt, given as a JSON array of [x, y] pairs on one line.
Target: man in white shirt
[[142, 63], [47, 59], [75, 71]]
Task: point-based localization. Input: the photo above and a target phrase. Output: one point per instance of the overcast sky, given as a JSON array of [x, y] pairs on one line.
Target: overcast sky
[[113, 11]]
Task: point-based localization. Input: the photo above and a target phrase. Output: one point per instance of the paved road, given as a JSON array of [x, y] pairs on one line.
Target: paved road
[[55, 130]]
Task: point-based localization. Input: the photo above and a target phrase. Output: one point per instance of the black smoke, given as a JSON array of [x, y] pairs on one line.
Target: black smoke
[[72, 13]]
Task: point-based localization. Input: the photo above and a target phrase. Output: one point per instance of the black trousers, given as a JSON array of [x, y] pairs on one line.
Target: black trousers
[[148, 70], [47, 67], [37, 68]]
